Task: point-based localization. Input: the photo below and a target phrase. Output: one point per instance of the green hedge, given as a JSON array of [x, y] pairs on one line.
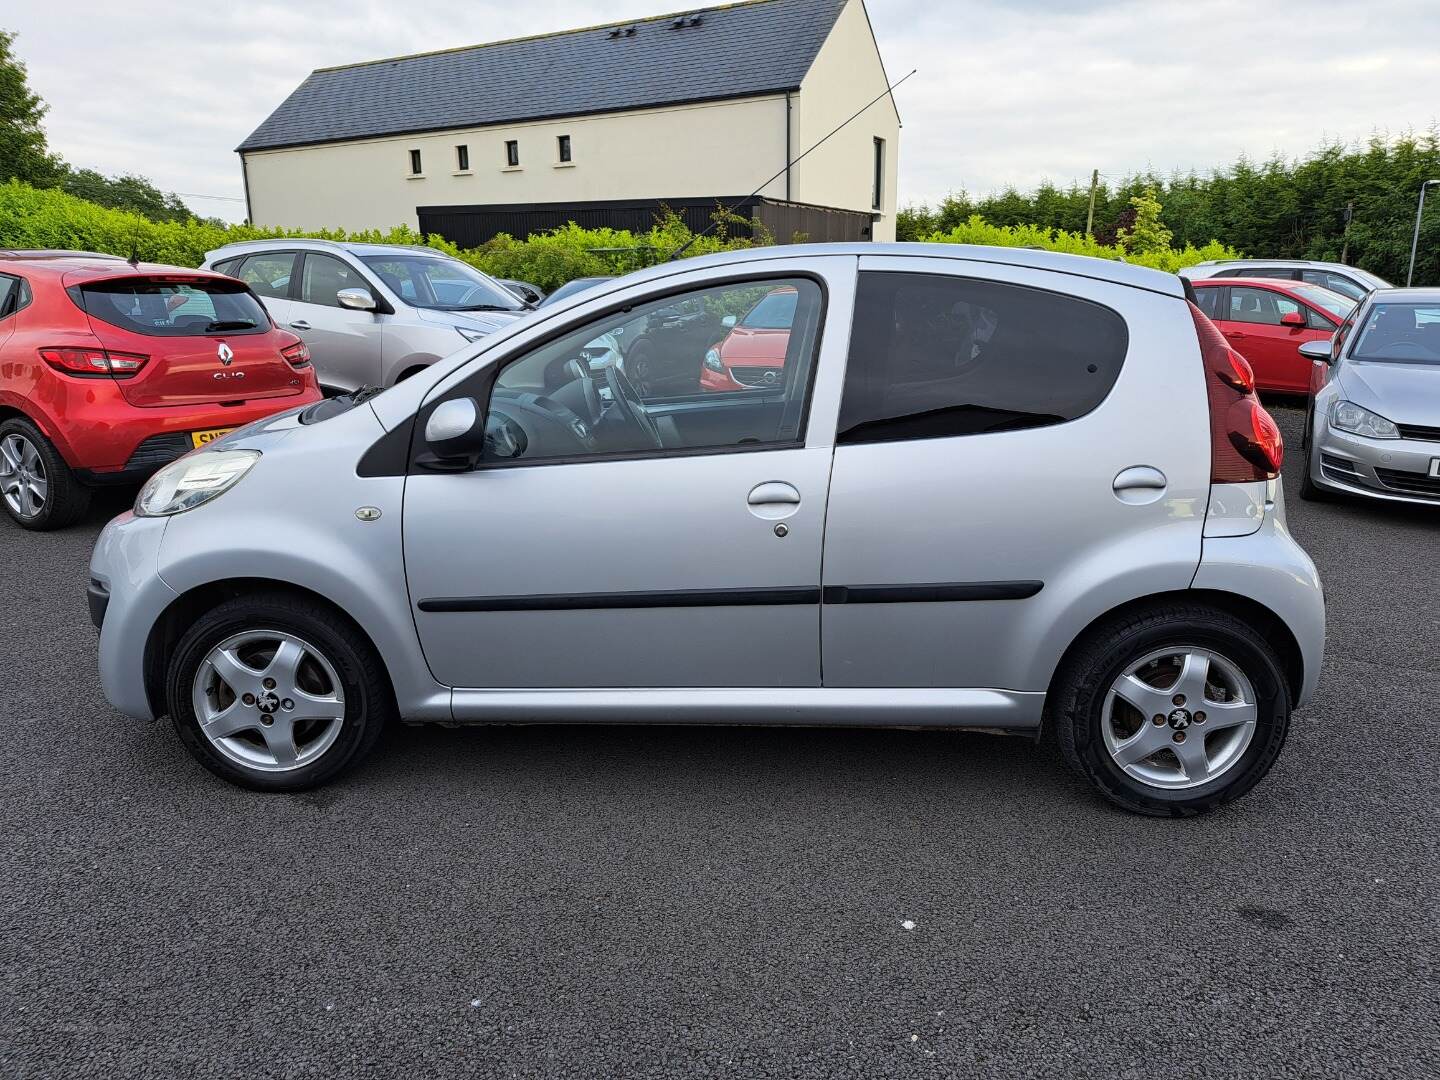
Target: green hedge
[[49, 218], [978, 231]]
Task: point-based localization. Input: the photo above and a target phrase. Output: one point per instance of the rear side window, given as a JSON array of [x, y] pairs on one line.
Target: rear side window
[[1273, 272], [1208, 301], [9, 294], [160, 308], [269, 274], [934, 356]]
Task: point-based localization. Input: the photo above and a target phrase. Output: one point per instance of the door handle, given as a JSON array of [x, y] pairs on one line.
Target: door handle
[[300, 324], [773, 500], [1139, 484], [1231, 334]]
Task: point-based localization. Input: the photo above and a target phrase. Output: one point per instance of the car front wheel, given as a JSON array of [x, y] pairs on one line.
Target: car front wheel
[[1172, 711], [273, 692]]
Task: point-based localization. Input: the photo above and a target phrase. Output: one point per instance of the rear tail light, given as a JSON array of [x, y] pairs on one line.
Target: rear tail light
[[1245, 443], [93, 363], [298, 354]]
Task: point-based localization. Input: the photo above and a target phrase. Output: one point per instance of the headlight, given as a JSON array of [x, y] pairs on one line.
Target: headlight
[[193, 480], [1359, 421], [468, 334], [713, 361]]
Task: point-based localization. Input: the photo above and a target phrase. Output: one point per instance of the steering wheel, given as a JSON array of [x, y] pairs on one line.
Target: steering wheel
[[627, 402], [579, 370]]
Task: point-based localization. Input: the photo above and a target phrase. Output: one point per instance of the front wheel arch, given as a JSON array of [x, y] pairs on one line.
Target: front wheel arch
[[1241, 607], [182, 612]]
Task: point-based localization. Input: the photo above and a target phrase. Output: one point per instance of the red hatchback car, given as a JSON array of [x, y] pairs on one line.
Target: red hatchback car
[[110, 369], [752, 354], [1266, 321]]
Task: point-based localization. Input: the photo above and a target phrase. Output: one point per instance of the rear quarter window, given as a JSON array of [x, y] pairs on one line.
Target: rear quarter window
[[161, 308], [934, 356]]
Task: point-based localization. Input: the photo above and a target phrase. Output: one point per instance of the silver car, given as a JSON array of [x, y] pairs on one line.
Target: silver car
[[1373, 428], [987, 489], [371, 314], [1342, 278]]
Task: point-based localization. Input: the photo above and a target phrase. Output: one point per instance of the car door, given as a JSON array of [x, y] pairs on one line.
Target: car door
[[1013, 458], [346, 345], [588, 552], [1256, 329]]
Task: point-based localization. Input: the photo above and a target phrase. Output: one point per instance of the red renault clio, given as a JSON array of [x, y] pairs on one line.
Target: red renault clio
[[110, 369]]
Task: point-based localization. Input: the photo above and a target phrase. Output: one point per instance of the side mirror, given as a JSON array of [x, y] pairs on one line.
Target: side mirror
[[729, 322], [453, 431], [1316, 350], [1293, 318], [356, 299]]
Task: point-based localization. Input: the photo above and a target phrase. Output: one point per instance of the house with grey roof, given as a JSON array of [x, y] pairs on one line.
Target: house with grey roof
[[601, 126]]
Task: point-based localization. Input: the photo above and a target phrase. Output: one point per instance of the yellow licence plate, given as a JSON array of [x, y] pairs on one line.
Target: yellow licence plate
[[200, 438]]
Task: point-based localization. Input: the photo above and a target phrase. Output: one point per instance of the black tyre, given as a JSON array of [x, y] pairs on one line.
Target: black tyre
[[1309, 490], [274, 692], [1173, 710], [37, 488]]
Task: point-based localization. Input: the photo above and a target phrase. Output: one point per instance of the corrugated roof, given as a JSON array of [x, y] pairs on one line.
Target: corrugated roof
[[733, 51]]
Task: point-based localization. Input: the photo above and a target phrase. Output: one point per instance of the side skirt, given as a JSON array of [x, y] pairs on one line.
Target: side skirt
[[980, 709]]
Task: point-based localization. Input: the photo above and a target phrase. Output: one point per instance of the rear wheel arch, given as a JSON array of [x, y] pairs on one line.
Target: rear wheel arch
[[1265, 622], [189, 606]]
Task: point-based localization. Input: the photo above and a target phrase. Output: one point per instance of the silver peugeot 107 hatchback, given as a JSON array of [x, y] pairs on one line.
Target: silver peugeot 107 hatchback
[[954, 487]]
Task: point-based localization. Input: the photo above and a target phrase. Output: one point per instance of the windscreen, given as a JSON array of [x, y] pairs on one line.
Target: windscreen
[[1325, 300], [163, 308], [1400, 334], [445, 284]]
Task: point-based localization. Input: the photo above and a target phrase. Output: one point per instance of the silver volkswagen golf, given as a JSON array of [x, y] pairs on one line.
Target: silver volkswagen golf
[[934, 486], [1373, 425]]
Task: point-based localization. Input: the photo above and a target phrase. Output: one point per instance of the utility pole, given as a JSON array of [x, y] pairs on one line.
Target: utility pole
[[1090, 215], [1415, 240], [1345, 248]]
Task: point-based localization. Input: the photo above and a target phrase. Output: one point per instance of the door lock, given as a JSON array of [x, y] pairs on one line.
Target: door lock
[[782, 530]]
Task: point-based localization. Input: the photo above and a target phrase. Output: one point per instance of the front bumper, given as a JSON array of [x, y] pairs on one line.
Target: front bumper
[[127, 597], [1397, 470]]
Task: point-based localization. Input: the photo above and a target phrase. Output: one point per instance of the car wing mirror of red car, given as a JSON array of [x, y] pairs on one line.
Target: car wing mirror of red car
[[1292, 318]]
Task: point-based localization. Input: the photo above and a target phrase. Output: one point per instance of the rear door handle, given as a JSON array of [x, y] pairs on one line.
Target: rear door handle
[[1139, 484], [300, 325], [773, 500]]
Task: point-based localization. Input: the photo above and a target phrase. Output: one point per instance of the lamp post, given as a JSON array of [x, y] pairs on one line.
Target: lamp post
[[1415, 240]]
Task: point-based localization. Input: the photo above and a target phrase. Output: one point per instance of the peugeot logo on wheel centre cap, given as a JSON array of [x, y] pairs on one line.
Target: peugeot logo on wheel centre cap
[[225, 353]]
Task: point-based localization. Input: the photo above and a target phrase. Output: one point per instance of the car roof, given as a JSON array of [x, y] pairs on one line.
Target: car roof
[[1112, 270], [1424, 294], [88, 266], [295, 243]]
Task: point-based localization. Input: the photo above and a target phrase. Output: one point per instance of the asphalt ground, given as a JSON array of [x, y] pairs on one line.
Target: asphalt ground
[[651, 902]]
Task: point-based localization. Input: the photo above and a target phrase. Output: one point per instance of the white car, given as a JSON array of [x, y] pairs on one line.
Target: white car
[[1346, 280], [371, 314]]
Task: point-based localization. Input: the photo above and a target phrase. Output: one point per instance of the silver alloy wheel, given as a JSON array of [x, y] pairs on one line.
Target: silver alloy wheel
[[22, 476], [268, 700], [1179, 717]]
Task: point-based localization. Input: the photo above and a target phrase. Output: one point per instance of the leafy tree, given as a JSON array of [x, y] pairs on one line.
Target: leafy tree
[[1148, 234], [127, 192], [24, 154]]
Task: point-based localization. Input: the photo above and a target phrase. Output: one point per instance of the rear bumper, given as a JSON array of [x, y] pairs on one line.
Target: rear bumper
[[118, 443]]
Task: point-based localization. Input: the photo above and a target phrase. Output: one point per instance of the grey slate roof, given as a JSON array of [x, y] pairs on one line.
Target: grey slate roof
[[739, 50]]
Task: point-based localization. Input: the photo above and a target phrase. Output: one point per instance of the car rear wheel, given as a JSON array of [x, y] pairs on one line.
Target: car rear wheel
[[275, 693], [1172, 711], [37, 488]]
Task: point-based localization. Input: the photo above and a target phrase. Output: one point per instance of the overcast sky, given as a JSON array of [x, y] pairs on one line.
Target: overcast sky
[[1007, 93]]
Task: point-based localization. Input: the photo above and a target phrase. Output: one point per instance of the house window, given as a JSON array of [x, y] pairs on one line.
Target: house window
[[877, 186], [562, 146], [512, 153], [462, 158], [415, 169]]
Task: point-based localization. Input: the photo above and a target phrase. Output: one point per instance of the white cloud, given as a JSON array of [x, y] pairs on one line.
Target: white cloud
[[1007, 93]]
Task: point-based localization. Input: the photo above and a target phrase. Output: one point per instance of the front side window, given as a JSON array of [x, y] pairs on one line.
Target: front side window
[[1335, 283], [1400, 334], [1327, 300], [159, 308], [933, 356], [433, 282], [324, 276], [268, 275], [633, 382], [1257, 306], [562, 147], [512, 153]]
